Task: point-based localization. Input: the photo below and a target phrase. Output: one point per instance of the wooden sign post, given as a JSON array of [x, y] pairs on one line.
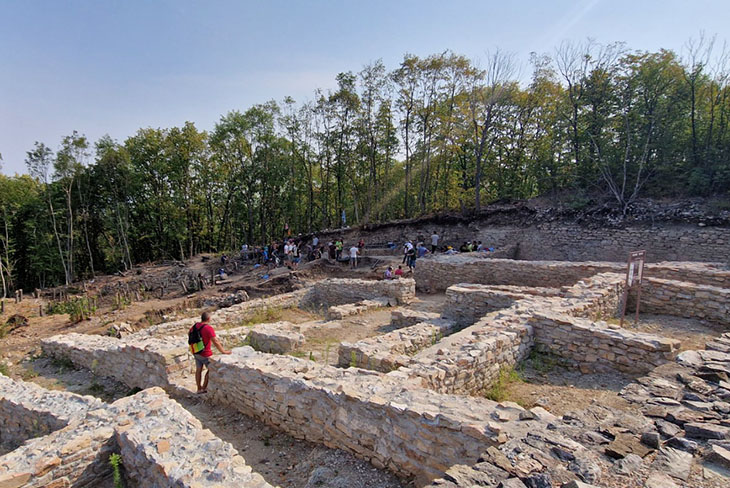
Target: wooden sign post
[[634, 275]]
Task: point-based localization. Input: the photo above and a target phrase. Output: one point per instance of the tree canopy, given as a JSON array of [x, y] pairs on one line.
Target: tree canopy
[[435, 133]]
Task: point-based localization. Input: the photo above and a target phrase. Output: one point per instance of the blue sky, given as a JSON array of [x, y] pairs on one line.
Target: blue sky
[[115, 66]]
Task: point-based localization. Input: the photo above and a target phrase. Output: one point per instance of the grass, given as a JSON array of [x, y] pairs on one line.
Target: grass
[[263, 315], [96, 388], [28, 374], [4, 369], [62, 363], [499, 392], [3, 330], [78, 308], [542, 362]]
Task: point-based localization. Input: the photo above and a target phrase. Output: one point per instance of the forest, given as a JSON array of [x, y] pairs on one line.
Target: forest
[[435, 133]]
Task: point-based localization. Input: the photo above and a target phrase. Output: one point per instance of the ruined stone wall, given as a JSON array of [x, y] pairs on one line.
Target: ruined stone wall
[[405, 317], [439, 272], [152, 433], [28, 411], [466, 303], [683, 300], [598, 347], [226, 316], [598, 297], [339, 291], [169, 447], [384, 419], [469, 361], [392, 350], [276, 338], [339, 312], [77, 455], [562, 241], [140, 364]]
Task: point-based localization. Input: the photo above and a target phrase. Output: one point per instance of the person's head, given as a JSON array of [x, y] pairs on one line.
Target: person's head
[[205, 318], [400, 267], [390, 268]]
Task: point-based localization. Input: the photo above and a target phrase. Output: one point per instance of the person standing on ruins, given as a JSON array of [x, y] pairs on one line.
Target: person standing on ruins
[[354, 251], [434, 242], [202, 357]]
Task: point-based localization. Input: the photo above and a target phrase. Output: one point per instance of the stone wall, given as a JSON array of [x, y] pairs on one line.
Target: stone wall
[[439, 272], [405, 317], [392, 350], [152, 433], [169, 447], [469, 361], [339, 291], [229, 316], [276, 338], [141, 364], [598, 297], [563, 241], [29, 411], [599, 347], [339, 312], [683, 299], [466, 303], [384, 419], [77, 455]]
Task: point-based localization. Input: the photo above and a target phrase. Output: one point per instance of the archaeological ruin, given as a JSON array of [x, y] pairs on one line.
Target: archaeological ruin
[[415, 396]]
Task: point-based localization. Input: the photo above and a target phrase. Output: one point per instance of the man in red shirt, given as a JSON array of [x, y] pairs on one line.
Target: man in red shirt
[[203, 357]]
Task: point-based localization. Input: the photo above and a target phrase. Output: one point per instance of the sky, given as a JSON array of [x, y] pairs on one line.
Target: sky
[[115, 66]]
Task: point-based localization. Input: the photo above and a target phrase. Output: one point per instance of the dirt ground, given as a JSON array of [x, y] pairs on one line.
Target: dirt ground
[[693, 333], [281, 459], [560, 390]]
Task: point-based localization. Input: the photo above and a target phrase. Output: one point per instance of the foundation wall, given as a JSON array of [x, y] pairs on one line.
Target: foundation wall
[[684, 300], [77, 455], [152, 433], [562, 241], [469, 361], [140, 364], [597, 347], [392, 350], [169, 447], [466, 303], [230, 316], [384, 419], [340, 291], [28, 411], [439, 272]]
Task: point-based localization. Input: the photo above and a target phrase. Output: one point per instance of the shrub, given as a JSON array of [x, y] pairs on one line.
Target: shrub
[[78, 308], [499, 391]]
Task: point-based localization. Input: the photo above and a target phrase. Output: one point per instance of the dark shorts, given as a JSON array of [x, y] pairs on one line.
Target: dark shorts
[[201, 361]]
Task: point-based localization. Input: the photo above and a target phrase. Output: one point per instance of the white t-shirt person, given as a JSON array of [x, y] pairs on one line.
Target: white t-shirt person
[[353, 252], [435, 239]]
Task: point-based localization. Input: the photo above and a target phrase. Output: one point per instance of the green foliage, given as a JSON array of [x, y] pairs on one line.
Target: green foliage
[[499, 390], [4, 369], [63, 363], [78, 308], [28, 373], [115, 460], [543, 362], [263, 315], [353, 359], [434, 133]]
